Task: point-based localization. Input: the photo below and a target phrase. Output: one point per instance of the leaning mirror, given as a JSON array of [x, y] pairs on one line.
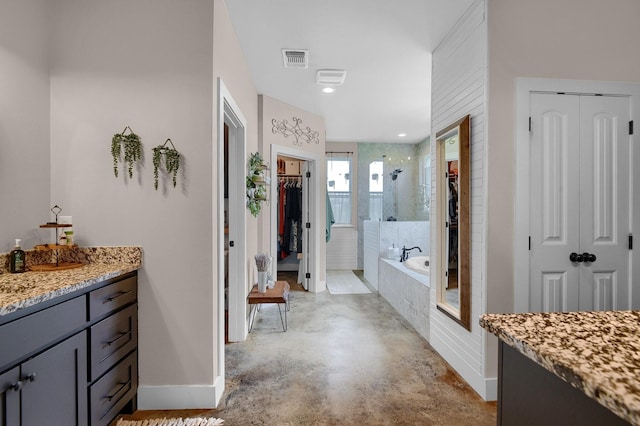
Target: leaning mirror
[[454, 269]]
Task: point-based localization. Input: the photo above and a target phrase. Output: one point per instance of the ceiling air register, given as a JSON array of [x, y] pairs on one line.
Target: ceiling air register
[[295, 58]]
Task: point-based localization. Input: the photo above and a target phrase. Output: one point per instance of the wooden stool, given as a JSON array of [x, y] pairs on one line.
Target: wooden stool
[[278, 294]]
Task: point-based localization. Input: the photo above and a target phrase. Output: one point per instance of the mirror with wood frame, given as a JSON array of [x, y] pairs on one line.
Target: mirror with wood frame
[[453, 180]]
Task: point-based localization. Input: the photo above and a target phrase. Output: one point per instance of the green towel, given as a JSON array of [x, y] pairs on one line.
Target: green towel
[[330, 219]]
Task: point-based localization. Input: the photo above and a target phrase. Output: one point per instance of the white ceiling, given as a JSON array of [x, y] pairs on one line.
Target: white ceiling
[[385, 46]]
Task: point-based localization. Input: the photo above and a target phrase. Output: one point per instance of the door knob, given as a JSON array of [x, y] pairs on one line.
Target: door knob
[[589, 257], [575, 257]]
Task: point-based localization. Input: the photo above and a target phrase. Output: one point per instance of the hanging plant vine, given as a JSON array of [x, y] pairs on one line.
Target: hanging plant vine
[[256, 190], [171, 162], [132, 150]]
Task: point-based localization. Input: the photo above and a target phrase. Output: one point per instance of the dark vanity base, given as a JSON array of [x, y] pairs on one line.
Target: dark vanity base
[[528, 394]]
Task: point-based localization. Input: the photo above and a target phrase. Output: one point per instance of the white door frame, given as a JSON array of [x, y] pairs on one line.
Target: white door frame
[[524, 87], [229, 112], [316, 232]]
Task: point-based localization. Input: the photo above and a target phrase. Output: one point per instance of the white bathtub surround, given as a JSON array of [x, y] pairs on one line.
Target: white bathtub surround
[[407, 291], [379, 236]]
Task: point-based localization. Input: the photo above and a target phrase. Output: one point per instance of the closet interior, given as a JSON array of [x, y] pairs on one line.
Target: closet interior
[[290, 252]]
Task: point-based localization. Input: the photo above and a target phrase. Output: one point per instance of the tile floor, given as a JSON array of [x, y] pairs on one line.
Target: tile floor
[[345, 360]]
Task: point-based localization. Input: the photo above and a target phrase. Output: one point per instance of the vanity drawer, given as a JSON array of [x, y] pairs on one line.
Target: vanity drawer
[[24, 336], [112, 339], [109, 395], [111, 297]]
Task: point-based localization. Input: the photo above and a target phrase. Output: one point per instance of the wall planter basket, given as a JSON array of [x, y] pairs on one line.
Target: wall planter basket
[[257, 182]]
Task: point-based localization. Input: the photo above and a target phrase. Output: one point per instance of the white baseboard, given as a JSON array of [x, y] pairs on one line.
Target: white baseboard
[[181, 397], [491, 389], [487, 388]]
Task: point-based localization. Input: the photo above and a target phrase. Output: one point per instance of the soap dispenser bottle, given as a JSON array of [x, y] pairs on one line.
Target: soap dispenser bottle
[[17, 261]]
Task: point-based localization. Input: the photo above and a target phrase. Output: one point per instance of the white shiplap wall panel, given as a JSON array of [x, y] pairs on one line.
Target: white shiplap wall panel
[[459, 88], [342, 249]]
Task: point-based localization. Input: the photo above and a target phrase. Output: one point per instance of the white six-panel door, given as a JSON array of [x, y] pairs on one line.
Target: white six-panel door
[[579, 189]]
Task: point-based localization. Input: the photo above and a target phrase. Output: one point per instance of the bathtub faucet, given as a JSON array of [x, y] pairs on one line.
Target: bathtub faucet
[[405, 252]]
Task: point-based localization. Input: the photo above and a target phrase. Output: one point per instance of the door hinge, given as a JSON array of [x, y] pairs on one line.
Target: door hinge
[[631, 127], [307, 275], [631, 242], [530, 124], [529, 243], [308, 174], [308, 225], [446, 224], [446, 273]]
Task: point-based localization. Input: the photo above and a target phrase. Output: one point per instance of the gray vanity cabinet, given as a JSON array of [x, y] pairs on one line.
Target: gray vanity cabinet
[[53, 383], [10, 397], [44, 390], [74, 362]]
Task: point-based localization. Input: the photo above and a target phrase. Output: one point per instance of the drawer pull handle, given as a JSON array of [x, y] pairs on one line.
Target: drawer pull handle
[[116, 296], [31, 377], [120, 336], [17, 386], [122, 387]]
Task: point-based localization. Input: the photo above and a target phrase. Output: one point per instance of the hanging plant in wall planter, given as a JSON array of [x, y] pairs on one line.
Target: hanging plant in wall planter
[[132, 146], [171, 162], [256, 183]]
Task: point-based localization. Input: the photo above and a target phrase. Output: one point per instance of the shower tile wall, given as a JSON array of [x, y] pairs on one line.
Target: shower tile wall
[[401, 197], [406, 233]]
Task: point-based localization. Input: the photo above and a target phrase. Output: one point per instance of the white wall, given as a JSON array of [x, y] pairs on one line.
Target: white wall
[[268, 110], [459, 73], [150, 64], [24, 123], [537, 39]]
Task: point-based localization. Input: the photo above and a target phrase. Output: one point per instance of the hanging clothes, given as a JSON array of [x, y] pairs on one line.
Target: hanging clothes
[[281, 218], [293, 217]]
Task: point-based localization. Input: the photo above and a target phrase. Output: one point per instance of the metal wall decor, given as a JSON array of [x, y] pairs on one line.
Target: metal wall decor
[[288, 129]]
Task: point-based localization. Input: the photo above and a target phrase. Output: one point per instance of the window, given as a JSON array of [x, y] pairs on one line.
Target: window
[[376, 183], [339, 188]]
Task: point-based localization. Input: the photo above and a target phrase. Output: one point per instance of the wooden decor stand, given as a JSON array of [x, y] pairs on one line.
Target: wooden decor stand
[[57, 265]]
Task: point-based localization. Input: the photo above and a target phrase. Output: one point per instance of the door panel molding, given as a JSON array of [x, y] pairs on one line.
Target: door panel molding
[[522, 259]]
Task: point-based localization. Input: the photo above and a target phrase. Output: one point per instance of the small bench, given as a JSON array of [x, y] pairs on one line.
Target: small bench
[[278, 294]]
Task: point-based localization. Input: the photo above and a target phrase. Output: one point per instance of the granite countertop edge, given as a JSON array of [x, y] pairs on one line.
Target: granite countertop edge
[[19, 291], [595, 389]]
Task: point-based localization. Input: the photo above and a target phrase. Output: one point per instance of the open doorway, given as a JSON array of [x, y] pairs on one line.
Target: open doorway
[[292, 255], [232, 276], [297, 249]]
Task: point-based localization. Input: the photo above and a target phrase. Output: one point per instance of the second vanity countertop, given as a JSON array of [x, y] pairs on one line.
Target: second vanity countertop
[[596, 352], [18, 291]]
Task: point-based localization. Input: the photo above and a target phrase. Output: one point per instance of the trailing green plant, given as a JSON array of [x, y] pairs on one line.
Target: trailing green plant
[[256, 190], [171, 162], [132, 146]]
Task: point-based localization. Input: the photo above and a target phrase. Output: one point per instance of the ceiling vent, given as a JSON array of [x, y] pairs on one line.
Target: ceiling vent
[[295, 58], [330, 77]]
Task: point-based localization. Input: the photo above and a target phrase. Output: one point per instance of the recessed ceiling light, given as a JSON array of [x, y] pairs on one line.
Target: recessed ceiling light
[[402, 135], [328, 89]]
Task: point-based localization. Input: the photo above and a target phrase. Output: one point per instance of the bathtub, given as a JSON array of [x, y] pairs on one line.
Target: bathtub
[[419, 264], [407, 290]]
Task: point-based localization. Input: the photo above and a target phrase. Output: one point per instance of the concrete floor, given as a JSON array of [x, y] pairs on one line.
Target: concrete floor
[[345, 360]]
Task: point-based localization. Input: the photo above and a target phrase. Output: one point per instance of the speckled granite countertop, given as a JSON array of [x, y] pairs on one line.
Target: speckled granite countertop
[[18, 291], [596, 352]]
